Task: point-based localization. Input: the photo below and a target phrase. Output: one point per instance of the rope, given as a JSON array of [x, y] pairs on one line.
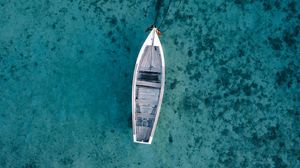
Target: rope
[[166, 13], [158, 6], [177, 9]]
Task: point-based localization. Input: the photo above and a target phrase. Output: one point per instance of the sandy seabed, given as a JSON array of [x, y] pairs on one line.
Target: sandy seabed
[[232, 96]]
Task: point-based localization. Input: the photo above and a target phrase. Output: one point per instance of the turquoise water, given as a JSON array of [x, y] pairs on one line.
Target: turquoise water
[[232, 96]]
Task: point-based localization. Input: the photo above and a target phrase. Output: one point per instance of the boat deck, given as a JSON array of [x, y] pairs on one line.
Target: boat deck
[[148, 87], [147, 92]]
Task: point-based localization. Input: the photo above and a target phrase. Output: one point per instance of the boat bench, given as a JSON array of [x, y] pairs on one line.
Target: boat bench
[[148, 84], [145, 115]]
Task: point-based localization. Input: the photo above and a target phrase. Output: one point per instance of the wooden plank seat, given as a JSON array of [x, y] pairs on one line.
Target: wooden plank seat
[[152, 69], [147, 103], [150, 72], [145, 115], [148, 84]]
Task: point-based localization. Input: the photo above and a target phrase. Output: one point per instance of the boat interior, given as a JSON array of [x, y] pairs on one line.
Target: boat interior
[[148, 87]]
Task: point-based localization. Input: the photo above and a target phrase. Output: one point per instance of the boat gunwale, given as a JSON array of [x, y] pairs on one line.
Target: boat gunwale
[[152, 39]]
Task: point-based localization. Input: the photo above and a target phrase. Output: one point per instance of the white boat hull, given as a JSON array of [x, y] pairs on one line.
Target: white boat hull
[[147, 89]]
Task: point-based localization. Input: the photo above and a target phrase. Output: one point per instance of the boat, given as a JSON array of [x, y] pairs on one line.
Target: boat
[[148, 88]]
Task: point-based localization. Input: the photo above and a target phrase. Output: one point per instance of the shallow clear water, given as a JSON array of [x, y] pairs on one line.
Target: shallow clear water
[[232, 87]]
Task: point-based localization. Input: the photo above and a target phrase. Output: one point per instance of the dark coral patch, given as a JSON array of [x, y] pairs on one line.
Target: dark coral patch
[[197, 140], [225, 132], [276, 43], [31, 164], [292, 7], [190, 53], [273, 133], [110, 33], [170, 138], [189, 104], [279, 163], [209, 42], [227, 158], [113, 21], [196, 76], [174, 84], [66, 161], [283, 77], [190, 67], [257, 141], [289, 38], [267, 5], [249, 89]]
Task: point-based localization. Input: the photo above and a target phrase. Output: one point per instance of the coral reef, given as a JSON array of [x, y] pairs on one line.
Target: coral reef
[[232, 95]]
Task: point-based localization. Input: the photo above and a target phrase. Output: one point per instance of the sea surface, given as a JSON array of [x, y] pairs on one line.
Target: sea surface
[[232, 96]]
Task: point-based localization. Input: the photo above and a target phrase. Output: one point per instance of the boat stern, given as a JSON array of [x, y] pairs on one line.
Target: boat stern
[[142, 142]]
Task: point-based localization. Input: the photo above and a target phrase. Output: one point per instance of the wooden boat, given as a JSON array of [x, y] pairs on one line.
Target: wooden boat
[[147, 89]]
